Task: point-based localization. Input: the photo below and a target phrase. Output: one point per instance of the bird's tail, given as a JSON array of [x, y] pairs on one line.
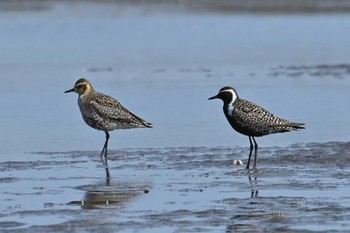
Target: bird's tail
[[289, 126], [147, 124], [295, 125]]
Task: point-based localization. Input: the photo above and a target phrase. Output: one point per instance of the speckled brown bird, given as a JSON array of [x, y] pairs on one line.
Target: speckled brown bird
[[252, 120], [103, 112]]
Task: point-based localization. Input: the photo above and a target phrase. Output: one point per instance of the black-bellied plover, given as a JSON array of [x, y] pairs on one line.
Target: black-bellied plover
[[103, 112], [252, 120]]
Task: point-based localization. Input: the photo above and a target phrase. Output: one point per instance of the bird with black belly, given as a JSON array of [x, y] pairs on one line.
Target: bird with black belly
[[252, 120]]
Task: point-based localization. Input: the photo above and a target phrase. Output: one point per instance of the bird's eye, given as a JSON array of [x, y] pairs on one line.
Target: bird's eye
[[81, 87]]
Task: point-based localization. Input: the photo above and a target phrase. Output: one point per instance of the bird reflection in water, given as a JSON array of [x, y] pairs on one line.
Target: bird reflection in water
[[253, 183], [112, 194]]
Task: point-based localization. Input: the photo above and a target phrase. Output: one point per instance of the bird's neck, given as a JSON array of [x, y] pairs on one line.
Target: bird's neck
[[89, 90], [229, 109], [229, 106]]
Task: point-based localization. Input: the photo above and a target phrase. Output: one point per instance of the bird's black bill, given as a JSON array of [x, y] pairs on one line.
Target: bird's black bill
[[70, 90], [213, 97]]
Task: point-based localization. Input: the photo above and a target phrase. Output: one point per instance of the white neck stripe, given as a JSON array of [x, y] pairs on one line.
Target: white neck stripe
[[231, 106]]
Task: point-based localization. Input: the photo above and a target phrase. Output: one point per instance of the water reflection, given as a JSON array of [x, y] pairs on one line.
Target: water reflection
[[244, 220], [253, 184], [256, 214], [111, 194]]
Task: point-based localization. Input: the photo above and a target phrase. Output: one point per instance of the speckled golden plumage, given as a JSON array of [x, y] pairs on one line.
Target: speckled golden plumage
[[103, 112]]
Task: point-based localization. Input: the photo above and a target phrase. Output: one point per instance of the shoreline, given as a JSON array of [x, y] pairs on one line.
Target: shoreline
[[196, 6]]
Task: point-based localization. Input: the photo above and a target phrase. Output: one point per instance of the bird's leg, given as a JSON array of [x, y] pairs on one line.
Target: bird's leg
[[250, 152], [103, 154], [106, 145], [255, 152], [108, 176]]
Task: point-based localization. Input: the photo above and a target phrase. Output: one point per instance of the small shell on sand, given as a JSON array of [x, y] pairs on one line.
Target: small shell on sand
[[237, 162]]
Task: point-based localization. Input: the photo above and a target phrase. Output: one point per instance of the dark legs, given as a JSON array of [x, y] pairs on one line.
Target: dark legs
[[255, 153], [250, 152], [255, 146], [103, 155]]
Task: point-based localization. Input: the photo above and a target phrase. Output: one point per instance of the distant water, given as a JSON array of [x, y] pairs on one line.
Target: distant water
[[163, 67]]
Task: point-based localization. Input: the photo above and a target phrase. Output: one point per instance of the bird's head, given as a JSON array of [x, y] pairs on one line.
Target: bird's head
[[82, 86], [226, 94]]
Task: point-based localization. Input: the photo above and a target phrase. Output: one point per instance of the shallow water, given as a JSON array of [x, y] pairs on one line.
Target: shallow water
[[163, 66], [191, 189]]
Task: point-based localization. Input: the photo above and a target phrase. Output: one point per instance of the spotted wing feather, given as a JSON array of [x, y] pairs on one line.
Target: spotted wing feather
[[111, 110], [260, 121]]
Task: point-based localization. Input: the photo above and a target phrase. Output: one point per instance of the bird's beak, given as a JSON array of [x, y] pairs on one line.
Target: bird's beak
[[70, 90], [213, 97]]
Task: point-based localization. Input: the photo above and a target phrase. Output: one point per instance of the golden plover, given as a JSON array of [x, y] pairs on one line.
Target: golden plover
[[103, 112], [252, 120]]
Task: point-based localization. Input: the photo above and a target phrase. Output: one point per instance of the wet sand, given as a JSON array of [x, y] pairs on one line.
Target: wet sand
[[300, 188], [163, 63]]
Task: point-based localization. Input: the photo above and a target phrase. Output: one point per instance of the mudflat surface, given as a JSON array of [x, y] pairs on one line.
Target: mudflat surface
[[162, 61], [300, 188]]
